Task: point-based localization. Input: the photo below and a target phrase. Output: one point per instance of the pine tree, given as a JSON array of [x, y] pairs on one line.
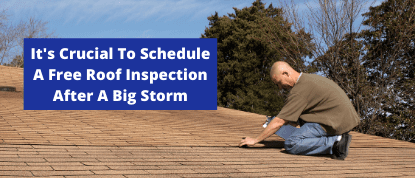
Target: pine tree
[[390, 44], [250, 40]]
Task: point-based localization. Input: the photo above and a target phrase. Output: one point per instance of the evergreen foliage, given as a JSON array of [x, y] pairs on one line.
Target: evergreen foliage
[[249, 42], [390, 44]]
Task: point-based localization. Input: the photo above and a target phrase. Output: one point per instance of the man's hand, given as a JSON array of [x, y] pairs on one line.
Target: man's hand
[[272, 127], [248, 141]]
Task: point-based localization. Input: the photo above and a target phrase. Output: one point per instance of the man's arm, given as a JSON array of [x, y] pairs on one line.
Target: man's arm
[[272, 127]]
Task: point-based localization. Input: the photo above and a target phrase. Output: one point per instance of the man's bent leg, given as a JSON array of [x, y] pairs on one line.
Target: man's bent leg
[[310, 139]]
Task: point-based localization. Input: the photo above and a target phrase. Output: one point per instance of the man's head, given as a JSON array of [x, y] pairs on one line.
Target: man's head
[[283, 75]]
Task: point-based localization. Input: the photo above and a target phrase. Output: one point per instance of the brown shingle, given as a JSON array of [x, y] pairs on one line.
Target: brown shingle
[[168, 144]]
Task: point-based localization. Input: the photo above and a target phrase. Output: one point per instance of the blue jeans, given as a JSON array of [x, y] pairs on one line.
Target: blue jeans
[[310, 139]]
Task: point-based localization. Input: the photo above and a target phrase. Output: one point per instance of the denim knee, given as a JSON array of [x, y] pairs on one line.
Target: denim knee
[[290, 146]]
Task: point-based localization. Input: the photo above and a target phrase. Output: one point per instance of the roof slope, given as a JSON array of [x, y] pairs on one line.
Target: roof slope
[[169, 144]]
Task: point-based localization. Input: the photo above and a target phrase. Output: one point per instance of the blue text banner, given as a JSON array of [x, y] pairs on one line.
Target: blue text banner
[[120, 74]]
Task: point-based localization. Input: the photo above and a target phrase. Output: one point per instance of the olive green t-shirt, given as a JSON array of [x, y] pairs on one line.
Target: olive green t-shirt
[[318, 99]]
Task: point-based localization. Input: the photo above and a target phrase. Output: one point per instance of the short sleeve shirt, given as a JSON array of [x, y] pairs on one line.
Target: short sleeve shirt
[[318, 99]]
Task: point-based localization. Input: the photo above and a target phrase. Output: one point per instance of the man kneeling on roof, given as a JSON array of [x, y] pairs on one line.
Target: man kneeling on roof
[[319, 106]]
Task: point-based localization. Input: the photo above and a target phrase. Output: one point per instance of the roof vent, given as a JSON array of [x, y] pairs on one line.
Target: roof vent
[[7, 88]]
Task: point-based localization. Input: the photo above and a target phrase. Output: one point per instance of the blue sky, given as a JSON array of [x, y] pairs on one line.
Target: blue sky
[[124, 18]]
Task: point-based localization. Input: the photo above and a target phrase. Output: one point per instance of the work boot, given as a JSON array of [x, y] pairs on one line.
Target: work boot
[[341, 148]]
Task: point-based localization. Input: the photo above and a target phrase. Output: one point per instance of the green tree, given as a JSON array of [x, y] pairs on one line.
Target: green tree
[[249, 42], [390, 65]]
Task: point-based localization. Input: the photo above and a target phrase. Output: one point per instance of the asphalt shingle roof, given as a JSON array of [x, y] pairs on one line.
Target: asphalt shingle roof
[[168, 144]]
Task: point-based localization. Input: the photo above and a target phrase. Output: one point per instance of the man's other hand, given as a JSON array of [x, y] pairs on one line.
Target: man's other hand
[[248, 141]]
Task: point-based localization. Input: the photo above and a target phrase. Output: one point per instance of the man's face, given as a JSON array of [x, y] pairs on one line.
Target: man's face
[[282, 81]]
